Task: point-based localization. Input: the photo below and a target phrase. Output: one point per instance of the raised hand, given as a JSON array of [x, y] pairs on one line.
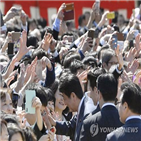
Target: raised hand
[[23, 18], [46, 41], [133, 67], [10, 68], [12, 13], [30, 71], [130, 56], [23, 48], [119, 58], [60, 14], [87, 44], [7, 40]]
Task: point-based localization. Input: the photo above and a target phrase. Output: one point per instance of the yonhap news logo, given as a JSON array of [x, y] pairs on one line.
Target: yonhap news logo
[[95, 129]]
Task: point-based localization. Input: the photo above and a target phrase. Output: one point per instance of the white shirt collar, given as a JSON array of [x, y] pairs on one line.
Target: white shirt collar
[[80, 104], [106, 104], [132, 117]]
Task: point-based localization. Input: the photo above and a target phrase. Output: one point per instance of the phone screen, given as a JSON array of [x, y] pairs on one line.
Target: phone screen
[[91, 34], [10, 48], [114, 41], [30, 94]]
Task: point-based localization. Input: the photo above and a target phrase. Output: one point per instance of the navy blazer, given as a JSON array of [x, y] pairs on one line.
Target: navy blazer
[[131, 131], [97, 126], [70, 128]]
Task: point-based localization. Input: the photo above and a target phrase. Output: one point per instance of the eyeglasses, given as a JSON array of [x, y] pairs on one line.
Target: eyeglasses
[[117, 102]]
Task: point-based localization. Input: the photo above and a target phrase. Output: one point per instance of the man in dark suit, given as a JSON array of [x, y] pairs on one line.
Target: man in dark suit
[[129, 110], [91, 86], [77, 102], [96, 127]]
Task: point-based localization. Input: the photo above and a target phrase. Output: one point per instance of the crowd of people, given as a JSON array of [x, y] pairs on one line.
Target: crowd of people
[[87, 86]]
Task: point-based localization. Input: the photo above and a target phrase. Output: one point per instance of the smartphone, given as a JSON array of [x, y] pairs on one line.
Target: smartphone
[[1, 19], [120, 36], [10, 49], [15, 98], [30, 94], [69, 12], [16, 36], [114, 41], [121, 45], [111, 15], [93, 33]]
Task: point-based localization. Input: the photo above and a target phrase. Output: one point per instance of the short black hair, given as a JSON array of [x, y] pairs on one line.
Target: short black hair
[[32, 41], [93, 75], [80, 19], [107, 55], [40, 93], [132, 96], [90, 61], [49, 95], [11, 118], [14, 129], [69, 57], [70, 83], [76, 65], [29, 134], [39, 53], [107, 85]]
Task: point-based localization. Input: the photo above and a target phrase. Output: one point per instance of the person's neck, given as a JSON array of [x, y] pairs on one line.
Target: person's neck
[[77, 104], [132, 114], [101, 103]]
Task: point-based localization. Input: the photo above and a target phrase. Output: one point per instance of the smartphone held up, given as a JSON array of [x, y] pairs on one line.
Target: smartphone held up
[[69, 12]]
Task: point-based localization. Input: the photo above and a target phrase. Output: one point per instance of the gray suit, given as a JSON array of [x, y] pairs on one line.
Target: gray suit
[[131, 131]]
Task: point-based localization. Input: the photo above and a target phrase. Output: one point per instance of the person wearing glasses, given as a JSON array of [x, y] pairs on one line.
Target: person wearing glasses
[[129, 106], [96, 127]]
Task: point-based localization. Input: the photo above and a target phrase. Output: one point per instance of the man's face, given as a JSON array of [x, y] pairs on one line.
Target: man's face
[[93, 93], [121, 110], [112, 61], [70, 102]]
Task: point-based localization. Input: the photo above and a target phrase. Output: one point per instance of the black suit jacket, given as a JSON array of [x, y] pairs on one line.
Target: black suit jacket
[[131, 131], [94, 112], [72, 128], [100, 124]]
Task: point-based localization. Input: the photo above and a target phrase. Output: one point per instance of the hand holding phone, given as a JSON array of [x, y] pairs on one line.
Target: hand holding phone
[[30, 94]]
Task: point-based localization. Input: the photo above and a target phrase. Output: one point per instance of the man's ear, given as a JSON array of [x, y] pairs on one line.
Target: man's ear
[[73, 95], [95, 89], [125, 105]]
